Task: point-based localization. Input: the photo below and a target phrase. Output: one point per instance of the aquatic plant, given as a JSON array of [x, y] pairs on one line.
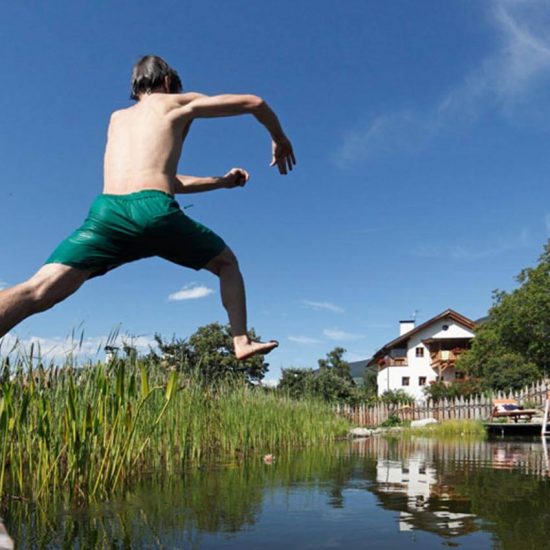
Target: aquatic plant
[[88, 431]]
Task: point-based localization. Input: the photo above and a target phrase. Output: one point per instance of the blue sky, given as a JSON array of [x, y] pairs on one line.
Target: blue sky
[[421, 130]]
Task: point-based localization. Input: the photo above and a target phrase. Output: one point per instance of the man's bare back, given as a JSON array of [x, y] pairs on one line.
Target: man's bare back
[[144, 143]]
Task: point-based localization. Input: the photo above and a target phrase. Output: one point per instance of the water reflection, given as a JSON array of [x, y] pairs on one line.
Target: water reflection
[[391, 493]]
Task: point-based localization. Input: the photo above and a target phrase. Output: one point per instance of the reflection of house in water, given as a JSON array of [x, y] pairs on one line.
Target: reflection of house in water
[[411, 486], [425, 498]]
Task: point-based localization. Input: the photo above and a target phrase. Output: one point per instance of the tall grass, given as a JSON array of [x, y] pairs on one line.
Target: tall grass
[[88, 431]]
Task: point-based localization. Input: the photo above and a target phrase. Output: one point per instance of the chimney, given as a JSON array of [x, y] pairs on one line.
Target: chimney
[[405, 326]]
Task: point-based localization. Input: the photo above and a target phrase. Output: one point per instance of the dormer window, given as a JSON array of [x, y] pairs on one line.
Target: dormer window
[[419, 352]]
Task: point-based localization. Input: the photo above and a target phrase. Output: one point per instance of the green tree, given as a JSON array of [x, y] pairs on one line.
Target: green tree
[[512, 348], [370, 382], [331, 386], [394, 398], [296, 382], [332, 382], [209, 352], [443, 390], [335, 361]]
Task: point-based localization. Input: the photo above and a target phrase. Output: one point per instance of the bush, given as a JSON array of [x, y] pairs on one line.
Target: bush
[[392, 421]]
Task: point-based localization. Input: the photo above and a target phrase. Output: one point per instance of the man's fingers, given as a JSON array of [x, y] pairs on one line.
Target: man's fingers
[[292, 157]]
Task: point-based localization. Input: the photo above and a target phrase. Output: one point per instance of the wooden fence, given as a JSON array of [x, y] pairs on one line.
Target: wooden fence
[[462, 408]]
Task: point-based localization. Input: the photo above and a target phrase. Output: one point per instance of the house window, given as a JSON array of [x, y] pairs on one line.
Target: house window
[[419, 352], [445, 327], [421, 380], [405, 380]]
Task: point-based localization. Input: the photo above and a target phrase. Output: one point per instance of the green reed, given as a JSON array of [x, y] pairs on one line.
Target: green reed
[[85, 432]]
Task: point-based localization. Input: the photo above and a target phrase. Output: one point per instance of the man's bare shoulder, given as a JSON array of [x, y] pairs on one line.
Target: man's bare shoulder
[[119, 113], [180, 103]]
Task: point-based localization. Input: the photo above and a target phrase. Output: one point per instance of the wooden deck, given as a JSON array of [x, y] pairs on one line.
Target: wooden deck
[[515, 428]]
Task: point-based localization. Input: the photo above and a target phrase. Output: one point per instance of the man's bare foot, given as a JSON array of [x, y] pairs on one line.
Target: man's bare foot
[[245, 348]]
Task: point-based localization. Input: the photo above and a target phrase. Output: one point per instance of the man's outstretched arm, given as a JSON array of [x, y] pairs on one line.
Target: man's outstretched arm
[[236, 177], [201, 106]]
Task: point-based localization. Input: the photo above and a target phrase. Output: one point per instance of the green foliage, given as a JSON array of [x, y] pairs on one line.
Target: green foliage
[[512, 348], [330, 385], [335, 363], [370, 382], [392, 421], [332, 382], [397, 397], [209, 351], [451, 429], [296, 383], [442, 390]]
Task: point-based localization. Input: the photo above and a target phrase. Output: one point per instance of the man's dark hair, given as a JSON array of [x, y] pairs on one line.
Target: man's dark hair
[[149, 73]]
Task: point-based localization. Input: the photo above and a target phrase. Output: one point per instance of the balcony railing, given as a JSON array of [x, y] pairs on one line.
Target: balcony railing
[[446, 356], [393, 362]]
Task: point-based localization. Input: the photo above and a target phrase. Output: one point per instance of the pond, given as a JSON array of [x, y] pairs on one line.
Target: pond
[[376, 493]]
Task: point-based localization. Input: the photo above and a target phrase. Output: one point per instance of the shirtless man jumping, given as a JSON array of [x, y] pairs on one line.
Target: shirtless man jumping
[[137, 215]]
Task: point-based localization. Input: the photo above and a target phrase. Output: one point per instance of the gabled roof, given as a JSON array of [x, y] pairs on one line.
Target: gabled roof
[[448, 313]]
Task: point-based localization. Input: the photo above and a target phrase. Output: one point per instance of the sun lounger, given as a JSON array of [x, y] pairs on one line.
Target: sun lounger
[[509, 408]]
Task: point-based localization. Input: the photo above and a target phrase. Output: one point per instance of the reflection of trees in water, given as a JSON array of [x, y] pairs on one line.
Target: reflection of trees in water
[[441, 487], [211, 500]]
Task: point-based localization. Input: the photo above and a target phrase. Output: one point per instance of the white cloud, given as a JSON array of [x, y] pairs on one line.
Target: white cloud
[[323, 305], [3, 285], [468, 253], [191, 292], [336, 334], [306, 340], [60, 348], [270, 383], [507, 80]]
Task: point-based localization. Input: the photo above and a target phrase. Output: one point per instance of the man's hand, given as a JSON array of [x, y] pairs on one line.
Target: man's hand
[[283, 155], [236, 177]]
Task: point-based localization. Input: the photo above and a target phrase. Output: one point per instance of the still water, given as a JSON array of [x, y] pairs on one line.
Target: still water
[[373, 493]]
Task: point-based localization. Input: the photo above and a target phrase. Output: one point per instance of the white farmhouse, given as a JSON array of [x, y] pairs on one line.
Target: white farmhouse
[[423, 354]]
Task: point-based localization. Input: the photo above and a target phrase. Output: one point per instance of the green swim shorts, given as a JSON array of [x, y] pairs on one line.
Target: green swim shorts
[[124, 228]]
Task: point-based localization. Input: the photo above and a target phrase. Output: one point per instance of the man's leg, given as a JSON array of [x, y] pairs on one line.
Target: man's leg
[[51, 284], [226, 267]]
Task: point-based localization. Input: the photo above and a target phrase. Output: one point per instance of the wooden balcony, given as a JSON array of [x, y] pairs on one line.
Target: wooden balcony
[[393, 362], [443, 359]]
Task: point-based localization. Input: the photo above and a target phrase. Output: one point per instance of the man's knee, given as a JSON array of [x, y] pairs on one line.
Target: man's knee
[[42, 293], [224, 260], [52, 284]]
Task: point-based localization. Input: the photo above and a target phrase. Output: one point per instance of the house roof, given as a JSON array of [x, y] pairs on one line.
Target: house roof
[[448, 313]]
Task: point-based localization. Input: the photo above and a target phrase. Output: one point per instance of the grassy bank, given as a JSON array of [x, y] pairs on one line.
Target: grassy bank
[[450, 429], [88, 431]]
